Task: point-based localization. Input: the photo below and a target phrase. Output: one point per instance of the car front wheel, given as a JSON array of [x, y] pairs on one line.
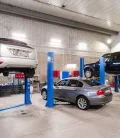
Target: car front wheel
[[83, 103]]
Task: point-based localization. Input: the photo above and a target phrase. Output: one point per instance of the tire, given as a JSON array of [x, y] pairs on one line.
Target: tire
[[44, 94], [30, 73], [5, 74], [82, 103], [96, 75], [88, 73]]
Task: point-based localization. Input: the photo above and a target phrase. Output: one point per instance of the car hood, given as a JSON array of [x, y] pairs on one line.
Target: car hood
[[89, 64]]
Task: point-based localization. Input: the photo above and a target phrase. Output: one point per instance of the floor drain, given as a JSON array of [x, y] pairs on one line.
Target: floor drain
[[23, 113]]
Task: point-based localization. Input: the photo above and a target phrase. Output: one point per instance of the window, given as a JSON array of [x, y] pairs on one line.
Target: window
[[73, 83], [63, 83], [116, 57], [80, 84], [107, 57], [92, 83]]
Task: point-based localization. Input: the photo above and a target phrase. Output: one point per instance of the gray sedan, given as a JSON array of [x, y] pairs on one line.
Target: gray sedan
[[81, 92]]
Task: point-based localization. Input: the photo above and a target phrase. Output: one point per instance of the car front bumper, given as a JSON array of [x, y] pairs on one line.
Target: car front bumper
[[17, 63], [99, 100]]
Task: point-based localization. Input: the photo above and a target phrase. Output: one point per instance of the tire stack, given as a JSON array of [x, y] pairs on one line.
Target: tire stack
[[9, 90]]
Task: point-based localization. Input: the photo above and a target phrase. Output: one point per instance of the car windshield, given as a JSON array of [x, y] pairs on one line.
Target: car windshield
[[107, 57], [13, 42], [92, 82]]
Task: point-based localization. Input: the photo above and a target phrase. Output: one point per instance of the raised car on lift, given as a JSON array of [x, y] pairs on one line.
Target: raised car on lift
[[17, 56], [112, 65]]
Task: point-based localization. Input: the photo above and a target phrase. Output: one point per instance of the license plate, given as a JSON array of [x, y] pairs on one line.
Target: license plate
[[18, 52]]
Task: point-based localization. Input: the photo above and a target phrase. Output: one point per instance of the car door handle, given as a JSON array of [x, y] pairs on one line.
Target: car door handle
[[60, 88], [75, 89]]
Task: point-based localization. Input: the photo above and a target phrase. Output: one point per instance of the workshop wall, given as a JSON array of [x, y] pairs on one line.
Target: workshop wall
[[115, 46], [74, 43]]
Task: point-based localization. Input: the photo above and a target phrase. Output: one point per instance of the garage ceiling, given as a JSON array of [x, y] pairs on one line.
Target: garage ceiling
[[101, 13]]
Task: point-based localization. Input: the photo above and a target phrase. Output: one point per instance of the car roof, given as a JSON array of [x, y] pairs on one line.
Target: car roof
[[13, 42], [112, 53], [116, 52], [73, 78], [107, 54]]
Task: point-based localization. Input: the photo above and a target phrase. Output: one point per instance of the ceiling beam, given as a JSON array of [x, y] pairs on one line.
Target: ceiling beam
[[53, 19]]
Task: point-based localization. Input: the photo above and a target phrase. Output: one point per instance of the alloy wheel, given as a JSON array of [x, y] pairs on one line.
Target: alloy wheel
[[82, 103]]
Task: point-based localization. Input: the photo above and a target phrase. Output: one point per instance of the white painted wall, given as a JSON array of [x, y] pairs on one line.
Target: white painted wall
[[115, 46], [39, 35]]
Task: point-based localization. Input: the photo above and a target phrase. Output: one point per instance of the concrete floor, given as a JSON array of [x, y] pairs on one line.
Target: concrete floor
[[66, 121]]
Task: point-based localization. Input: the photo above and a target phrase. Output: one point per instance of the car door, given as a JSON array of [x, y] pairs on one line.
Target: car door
[[71, 91], [97, 66], [107, 59], [58, 89], [115, 63], [108, 62]]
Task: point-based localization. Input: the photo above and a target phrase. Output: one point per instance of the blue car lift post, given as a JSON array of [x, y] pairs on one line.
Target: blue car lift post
[[27, 99], [50, 80], [102, 75], [116, 84], [81, 67], [102, 70]]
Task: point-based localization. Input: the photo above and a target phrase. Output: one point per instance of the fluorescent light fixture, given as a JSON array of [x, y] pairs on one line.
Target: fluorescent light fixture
[[71, 65], [18, 35], [55, 40], [109, 41], [82, 44], [109, 23]]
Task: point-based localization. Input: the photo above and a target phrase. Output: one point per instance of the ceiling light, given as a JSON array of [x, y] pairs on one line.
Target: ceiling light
[[56, 40], [82, 44], [71, 65], [18, 35], [109, 41], [109, 23]]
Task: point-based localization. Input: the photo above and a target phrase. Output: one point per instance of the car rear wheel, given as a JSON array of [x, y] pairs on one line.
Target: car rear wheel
[[88, 73], [30, 73], [44, 94], [5, 74], [83, 103], [96, 75]]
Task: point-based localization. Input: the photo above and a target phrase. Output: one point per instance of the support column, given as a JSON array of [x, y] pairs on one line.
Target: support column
[[27, 91], [116, 84], [13, 80], [81, 67], [18, 81], [50, 80], [102, 70]]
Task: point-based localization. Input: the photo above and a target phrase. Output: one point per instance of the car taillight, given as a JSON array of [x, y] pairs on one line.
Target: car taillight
[[1, 62], [100, 92]]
